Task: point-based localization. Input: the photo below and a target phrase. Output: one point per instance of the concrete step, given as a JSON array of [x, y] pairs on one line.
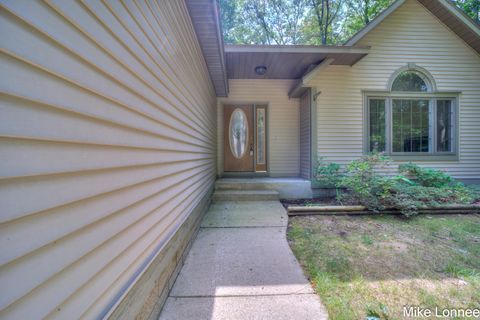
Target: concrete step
[[237, 185], [245, 195], [288, 188]]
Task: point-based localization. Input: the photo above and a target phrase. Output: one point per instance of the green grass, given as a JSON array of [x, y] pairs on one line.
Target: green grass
[[373, 265]]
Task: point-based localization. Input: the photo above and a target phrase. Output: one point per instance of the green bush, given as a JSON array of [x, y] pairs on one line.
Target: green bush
[[425, 176], [364, 186], [413, 188], [327, 174]]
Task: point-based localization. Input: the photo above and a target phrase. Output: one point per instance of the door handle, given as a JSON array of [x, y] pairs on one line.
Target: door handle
[[251, 150]]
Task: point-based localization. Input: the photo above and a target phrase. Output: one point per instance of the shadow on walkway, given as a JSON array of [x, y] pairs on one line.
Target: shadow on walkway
[[241, 267]]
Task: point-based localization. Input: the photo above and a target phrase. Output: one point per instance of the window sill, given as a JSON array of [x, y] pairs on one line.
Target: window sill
[[425, 157]]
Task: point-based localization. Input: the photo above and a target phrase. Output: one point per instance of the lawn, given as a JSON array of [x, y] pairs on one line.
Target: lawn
[[374, 265]]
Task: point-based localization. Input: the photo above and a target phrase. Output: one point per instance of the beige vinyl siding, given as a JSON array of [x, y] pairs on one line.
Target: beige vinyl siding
[[305, 139], [107, 141], [283, 141], [409, 35]]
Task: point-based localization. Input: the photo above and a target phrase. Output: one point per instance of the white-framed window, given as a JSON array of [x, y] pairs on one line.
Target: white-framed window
[[412, 119]]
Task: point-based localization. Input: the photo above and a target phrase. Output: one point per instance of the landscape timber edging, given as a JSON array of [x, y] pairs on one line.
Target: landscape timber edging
[[362, 210]]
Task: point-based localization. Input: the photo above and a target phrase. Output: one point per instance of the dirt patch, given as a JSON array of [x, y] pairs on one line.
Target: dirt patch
[[398, 247], [308, 202]]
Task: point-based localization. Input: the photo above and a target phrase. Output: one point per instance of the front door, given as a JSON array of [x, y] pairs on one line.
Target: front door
[[245, 138], [239, 138]]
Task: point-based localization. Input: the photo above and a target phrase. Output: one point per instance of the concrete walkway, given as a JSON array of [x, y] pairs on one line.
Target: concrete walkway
[[241, 267]]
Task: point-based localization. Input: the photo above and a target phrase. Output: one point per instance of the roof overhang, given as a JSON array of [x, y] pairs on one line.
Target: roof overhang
[[446, 11], [304, 83], [456, 20], [205, 16], [286, 62]]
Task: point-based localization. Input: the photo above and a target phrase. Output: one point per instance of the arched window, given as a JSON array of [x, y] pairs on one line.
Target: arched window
[[410, 81], [412, 118]]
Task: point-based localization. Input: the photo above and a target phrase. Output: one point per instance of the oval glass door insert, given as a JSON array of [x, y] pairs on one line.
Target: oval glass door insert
[[238, 133]]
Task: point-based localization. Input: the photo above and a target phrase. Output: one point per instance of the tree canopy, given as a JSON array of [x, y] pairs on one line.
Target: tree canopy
[[311, 22]]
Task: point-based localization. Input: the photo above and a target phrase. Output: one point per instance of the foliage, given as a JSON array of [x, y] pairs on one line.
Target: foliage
[[311, 22], [471, 8], [379, 311], [425, 176], [327, 174], [413, 188], [263, 21], [364, 185], [360, 13], [324, 14]]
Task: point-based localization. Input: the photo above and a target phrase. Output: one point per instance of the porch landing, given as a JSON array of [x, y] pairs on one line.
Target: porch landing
[[287, 188], [241, 267]]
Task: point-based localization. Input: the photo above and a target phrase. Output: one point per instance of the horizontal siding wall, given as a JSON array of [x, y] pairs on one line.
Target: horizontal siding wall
[[410, 34], [107, 141], [282, 126]]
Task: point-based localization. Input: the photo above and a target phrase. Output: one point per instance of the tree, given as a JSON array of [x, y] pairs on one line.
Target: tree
[[305, 21], [263, 21], [471, 8], [360, 13], [228, 11], [325, 13]]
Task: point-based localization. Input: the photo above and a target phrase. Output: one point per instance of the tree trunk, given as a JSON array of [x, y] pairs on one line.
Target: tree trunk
[[327, 22], [366, 10]]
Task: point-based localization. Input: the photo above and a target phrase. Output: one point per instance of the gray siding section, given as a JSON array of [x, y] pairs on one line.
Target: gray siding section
[[305, 136], [107, 141]]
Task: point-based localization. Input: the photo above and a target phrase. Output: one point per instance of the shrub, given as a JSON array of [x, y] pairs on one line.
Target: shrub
[[328, 174], [413, 188], [364, 185], [425, 176]]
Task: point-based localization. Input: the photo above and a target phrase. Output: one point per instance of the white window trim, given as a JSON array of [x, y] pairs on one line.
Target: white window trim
[[421, 72]]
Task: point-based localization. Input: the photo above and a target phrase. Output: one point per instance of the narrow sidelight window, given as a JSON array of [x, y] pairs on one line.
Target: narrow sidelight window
[[260, 135], [444, 125], [377, 125]]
